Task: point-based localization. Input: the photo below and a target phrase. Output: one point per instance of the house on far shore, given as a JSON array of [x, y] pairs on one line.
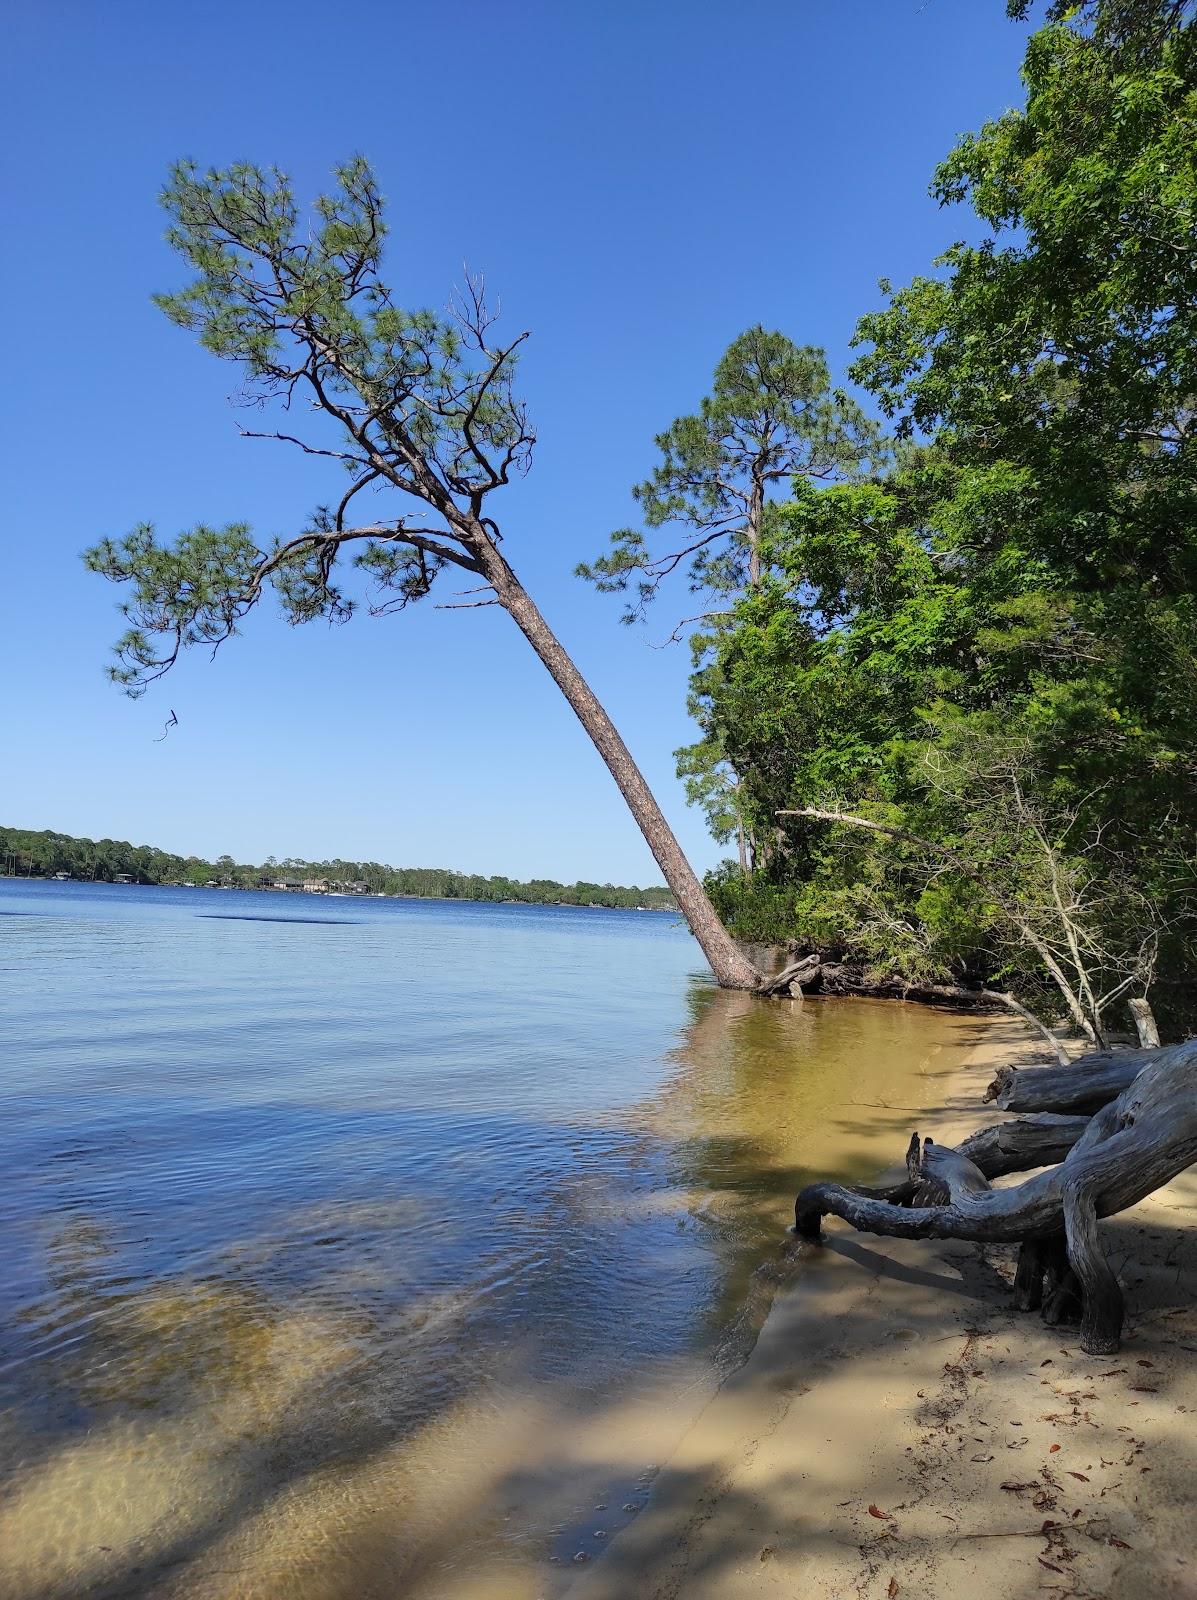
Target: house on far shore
[[291, 885], [315, 885]]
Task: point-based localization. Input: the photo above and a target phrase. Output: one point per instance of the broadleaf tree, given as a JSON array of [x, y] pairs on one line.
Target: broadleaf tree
[[416, 405], [1021, 580]]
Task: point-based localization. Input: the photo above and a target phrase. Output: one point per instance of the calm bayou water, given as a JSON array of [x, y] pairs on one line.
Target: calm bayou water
[[364, 1248]]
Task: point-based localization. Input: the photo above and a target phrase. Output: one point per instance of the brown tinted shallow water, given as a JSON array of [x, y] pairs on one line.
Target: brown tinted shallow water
[[333, 1273]]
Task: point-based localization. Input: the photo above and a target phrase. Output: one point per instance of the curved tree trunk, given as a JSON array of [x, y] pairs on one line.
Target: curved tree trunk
[[730, 965]]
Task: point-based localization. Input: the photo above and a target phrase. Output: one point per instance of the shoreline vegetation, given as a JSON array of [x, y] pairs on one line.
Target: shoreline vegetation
[[28, 853]]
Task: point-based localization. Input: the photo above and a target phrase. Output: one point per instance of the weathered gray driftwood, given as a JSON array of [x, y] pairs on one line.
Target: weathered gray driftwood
[[1145, 1025], [997, 1151], [1023, 1143], [1084, 1085], [790, 979], [1133, 1145]]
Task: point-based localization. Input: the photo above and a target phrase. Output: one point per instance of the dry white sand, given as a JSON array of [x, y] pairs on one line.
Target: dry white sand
[[900, 1430]]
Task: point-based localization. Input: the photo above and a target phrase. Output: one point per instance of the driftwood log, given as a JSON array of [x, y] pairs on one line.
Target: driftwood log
[[1085, 1085], [1142, 1134], [812, 974]]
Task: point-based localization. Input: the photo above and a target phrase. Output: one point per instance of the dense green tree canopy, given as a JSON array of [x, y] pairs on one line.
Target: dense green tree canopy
[[992, 645]]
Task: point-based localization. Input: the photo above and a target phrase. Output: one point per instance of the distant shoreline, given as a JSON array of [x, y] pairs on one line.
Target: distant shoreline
[[43, 853], [239, 888]]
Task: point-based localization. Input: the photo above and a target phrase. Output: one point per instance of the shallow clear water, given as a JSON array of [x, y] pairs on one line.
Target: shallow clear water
[[371, 1247]]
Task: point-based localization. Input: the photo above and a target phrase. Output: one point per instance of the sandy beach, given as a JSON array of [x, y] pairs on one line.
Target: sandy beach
[[900, 1429]]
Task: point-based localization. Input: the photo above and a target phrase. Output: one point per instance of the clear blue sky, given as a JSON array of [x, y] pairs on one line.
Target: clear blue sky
[[639, 182]]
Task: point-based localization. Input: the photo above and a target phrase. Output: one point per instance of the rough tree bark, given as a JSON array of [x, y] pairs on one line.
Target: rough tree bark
[[1149, 1035], [731, 966], [1086, 1085], [1134, 1144], [1027, 1142], [790, 979], [996, 1151]]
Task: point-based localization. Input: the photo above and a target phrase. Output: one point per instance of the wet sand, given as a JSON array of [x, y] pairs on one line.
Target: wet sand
[[899, 1429]]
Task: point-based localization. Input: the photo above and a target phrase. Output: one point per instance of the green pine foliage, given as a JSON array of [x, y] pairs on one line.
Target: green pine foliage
[[409, 400], [772, 416]]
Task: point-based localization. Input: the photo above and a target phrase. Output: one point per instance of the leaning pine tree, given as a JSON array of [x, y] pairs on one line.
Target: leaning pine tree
[[412, 403]]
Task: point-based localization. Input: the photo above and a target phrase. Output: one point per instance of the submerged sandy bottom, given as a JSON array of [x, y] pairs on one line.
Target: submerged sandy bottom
[[242, 1429]]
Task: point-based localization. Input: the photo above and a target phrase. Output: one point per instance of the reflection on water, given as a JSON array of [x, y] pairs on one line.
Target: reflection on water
[[766, 1097], [351, 1259]]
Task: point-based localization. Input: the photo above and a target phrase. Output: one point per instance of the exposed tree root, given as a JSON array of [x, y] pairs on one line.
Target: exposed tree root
[[1144, 1133]]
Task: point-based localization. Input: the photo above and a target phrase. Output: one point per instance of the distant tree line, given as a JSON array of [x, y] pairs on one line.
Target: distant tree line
[[28, 852]]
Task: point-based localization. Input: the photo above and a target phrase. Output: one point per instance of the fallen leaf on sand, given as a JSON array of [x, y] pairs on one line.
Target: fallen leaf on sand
[[1049, 1566], [1079, 1475], [1052, 1447], [1121, 1543], [875, 1511], [893, 1588]]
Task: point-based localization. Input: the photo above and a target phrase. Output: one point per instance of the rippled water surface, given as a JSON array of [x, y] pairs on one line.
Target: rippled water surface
[[380, 1248]]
